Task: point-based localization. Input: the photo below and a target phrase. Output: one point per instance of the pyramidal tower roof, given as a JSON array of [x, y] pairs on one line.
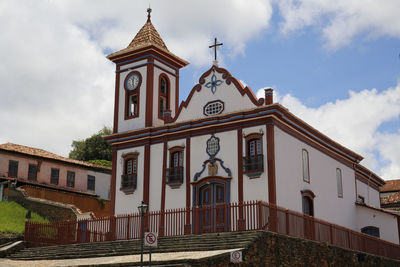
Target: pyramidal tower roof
[[147, 38]]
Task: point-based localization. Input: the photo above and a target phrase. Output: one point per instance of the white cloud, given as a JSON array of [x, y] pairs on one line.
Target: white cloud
[[342, 20], [355, 123]]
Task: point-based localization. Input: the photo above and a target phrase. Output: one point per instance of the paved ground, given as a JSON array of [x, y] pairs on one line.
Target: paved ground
[[156, 257]]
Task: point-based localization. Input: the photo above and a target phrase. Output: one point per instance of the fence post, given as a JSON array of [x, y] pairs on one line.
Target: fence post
[[273, 218], [259, 215], [349, 237], [287, 221], [112, 233], [331, 233], [128, 227]]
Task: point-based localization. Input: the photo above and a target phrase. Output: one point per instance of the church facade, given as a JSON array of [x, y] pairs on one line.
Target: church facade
[[223, 145]]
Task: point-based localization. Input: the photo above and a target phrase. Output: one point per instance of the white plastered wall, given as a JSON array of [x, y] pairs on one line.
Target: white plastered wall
[[256, 188], [289, 181], [386, 223], [229, 94], [176, 197], [370, 195], [156, 164], [102, 183], [128, 203], [139, 122]]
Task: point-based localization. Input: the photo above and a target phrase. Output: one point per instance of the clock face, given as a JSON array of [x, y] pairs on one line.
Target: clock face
[[132, 81]]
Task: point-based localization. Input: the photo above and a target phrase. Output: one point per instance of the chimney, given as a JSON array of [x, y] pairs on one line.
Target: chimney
[[268, 96]]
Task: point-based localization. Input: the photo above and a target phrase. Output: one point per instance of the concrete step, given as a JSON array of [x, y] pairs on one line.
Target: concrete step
[[131, 247]]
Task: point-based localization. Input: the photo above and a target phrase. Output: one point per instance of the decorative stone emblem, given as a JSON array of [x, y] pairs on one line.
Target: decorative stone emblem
[[212, 169], [214, 83]]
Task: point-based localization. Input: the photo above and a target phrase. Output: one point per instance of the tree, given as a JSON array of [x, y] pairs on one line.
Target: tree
[[93, 148]]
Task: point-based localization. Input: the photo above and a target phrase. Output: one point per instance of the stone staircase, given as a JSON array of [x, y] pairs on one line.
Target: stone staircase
[[205, 242]]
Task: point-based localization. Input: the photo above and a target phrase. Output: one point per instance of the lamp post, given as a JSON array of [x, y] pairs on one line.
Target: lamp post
[[142, 210]]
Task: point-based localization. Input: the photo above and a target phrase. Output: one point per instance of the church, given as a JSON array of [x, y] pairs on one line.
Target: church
[[224, 145]]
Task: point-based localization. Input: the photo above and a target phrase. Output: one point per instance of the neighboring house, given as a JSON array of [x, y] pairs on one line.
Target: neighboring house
[[34, 166], [390, 195], [223, 145]]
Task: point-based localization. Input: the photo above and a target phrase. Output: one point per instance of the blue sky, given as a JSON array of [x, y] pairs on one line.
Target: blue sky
[[334, 64]]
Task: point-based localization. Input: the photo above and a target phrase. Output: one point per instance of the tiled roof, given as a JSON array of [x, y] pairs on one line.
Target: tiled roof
[[391, 185], [391, 199], [46, 154], [147, 35]]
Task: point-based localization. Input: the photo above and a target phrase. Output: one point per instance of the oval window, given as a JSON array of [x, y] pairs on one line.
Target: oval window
[[213, 108]]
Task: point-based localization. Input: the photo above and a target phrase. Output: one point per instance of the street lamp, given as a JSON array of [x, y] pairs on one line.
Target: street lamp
[[142, 210]]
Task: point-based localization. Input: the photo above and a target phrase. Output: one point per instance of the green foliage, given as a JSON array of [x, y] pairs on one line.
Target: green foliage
[[101, 162], [92, 148], [12, 218]]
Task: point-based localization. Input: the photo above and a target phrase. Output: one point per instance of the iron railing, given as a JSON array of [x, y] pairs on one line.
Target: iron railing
[[174, 175], [129, 181], [253, 164]]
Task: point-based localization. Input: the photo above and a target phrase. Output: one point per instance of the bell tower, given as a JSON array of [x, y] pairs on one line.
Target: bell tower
[[147, 81]]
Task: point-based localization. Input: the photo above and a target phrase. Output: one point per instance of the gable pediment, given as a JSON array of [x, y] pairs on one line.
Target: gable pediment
[[216, 93]]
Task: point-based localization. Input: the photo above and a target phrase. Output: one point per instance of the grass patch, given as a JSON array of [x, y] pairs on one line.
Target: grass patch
[[12, 218]]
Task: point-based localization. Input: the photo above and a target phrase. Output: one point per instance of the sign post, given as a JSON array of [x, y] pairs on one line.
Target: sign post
[[150, 240]]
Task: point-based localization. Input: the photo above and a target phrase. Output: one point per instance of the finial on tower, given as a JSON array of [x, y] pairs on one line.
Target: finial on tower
[[148, 13]]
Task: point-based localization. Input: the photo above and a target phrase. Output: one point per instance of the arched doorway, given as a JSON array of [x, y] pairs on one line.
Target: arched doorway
[[210, 199]]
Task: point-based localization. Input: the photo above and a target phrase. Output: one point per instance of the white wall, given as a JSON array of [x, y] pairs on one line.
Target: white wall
[[371, 195], [386, 223], [102, 184], [233, 100], [156, 161], [289, 181]]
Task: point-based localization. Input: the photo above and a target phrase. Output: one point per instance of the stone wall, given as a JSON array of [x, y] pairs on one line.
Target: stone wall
[[279, 250], [50, 210]]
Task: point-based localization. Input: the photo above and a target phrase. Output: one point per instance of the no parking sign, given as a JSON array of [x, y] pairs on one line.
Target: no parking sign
[[236, 256], [150, 239]]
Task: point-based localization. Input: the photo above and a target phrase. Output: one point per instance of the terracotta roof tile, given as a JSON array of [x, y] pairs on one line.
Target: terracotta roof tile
[[46, 154], [391, 199], [391, 185]]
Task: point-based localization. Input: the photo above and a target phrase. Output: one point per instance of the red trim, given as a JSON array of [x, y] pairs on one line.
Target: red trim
[[176, 93], [113, 181], [271, 162], [132, 54], [149, 94], [146, 175], [187, 178], [398, 227], [308, 193], [240, 165], [167, 96], [116, 100], [228, 79], [128, 94]]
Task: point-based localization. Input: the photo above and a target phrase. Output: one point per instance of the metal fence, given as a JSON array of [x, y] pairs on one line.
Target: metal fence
[[233, 217]]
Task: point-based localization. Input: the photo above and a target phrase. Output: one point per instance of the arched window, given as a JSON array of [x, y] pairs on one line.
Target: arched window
[[254, 160], [306, 167], [129, 176], [163, 93], [307, 197], [371, 230], [174, 174], [339, 182]]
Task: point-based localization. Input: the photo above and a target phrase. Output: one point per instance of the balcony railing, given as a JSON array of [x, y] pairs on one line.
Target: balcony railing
[[129, 181], [174, 175], [253, 164]]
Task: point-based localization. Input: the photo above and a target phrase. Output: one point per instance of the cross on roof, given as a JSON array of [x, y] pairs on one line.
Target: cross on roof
[[148, 13], [215, 48]]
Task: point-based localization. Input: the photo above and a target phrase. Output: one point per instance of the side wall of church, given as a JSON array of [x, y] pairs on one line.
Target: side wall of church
[[323, 182]]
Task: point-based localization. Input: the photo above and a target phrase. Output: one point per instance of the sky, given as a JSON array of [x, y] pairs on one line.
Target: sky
[[334, 64]]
